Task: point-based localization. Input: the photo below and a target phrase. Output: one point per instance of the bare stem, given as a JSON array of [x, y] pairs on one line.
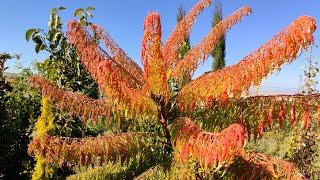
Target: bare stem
[[163, 120]]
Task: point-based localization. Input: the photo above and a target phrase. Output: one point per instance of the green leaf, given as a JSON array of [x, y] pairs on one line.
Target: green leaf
[[29, 33], [78, 12], [57, 22], [36, 38], [39, 47], [82, 19], [90, 8], [57, 36], [61, 8]]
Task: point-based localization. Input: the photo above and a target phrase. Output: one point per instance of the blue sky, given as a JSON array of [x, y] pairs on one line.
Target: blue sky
[[124, 21]]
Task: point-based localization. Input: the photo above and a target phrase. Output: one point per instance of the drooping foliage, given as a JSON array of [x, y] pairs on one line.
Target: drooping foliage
[[209, 149], [259, 113], [113, 80], [251, 70], [70, 152], [120, 57], [181, 32], [201, 51], [133, 93], [63, 68], [260, 166], [77, 104]]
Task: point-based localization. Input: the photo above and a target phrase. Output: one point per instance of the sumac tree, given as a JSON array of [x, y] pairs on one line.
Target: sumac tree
[[174, 131]]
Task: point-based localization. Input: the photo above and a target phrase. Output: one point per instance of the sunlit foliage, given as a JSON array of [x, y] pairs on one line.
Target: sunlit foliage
[[132, 93]]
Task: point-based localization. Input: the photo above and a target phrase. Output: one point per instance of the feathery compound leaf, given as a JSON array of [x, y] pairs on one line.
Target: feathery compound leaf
[[94, 59], [261, 112], [70, 152], [180, 32], [191, 60], [128, 169], [212, 150], [112, 79], [119, 56], [259, 166], [258, 114], [75, 104], [233, 80], [152, 59]]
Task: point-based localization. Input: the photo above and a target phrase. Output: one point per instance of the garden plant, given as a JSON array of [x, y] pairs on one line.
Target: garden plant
[[160, 125]]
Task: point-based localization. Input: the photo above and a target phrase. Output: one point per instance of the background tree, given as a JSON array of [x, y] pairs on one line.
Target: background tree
[[310, 73], [185, 47], [219, 52], [62, 66], [182, 145], [64, 69], [19, 108], [3, 58], [306, 152]]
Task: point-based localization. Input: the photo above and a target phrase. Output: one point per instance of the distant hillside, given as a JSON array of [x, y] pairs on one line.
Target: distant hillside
[[8, 76]]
